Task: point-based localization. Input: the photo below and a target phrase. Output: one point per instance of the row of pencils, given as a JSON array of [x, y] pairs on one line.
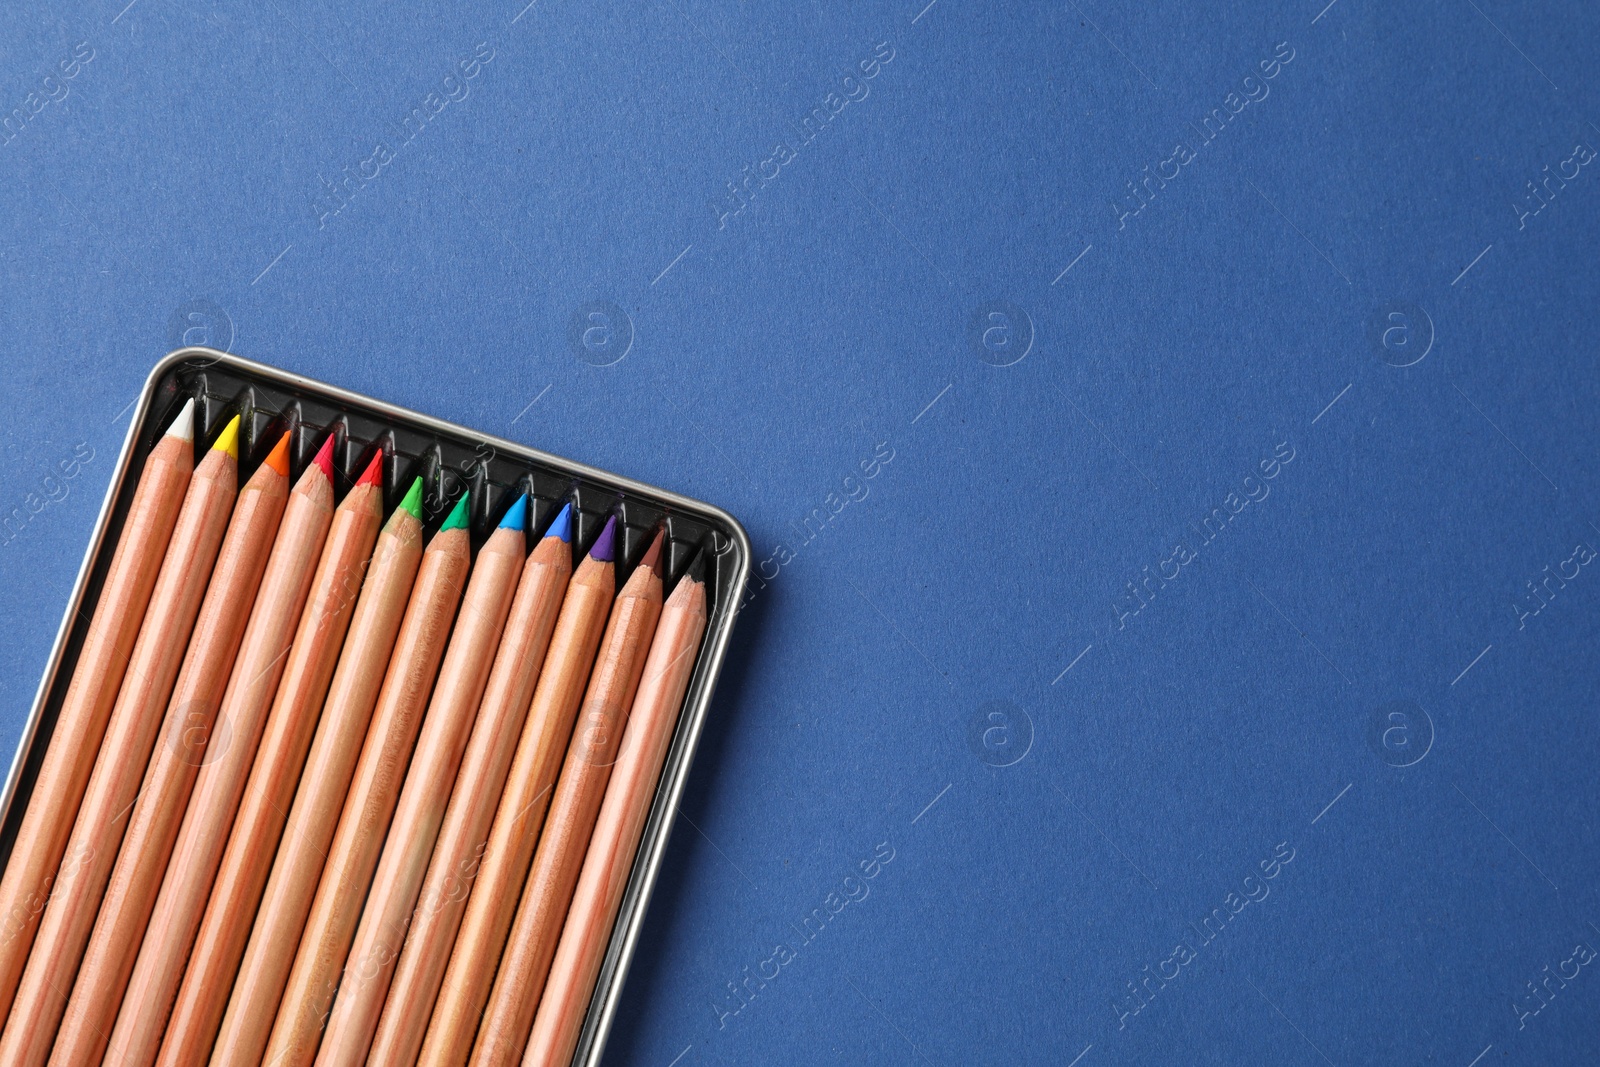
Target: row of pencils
[[320, 793]]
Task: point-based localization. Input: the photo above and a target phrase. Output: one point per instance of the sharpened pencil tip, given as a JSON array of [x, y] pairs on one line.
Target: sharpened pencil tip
[[605, 546], [516, 516], [652, 555], [228, 440], [324, 457], [696, 571], [278, 458], [183, 426], [373, 475], [458, 515], [561, 526], [413, 499]]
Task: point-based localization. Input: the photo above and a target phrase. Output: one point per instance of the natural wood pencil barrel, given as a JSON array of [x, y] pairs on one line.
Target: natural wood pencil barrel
[[386, 917], [124, 753], [590, 754], [30, 874], [253, 840], [514, 830], [364, 819], [169, 778], [193, 865], [617, 831], [463, 837], [321, 793]]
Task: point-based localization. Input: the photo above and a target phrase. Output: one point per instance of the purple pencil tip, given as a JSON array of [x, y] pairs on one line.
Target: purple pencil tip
[[605, 546]]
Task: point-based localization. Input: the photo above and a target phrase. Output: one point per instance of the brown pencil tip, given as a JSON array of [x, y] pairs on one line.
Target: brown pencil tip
[[652, 555]]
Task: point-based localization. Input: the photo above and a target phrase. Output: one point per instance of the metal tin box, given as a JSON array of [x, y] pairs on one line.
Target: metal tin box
[[451, 459]]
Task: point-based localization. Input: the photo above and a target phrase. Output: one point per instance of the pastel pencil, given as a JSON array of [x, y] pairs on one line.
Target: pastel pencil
[[169, 778], [492, 900], [31, 870], [609, 859], [192, 868], [374, 790], [386, 916], [320, 796], [463, 837], [253, 840], [124, 753], [519, 982]]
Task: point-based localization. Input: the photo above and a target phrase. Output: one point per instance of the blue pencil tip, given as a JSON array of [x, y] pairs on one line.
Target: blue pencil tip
[[516, 515], [605, 547], [562, 526]]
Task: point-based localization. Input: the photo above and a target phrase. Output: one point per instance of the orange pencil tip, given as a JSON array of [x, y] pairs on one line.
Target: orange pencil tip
[[374, 472], [278, 458]]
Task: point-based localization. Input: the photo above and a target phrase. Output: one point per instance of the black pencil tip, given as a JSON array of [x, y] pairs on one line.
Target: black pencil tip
[[696, 571]]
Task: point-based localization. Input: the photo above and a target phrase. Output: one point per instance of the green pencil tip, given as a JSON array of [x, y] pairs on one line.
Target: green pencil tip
[[413, 500], [458, 515]]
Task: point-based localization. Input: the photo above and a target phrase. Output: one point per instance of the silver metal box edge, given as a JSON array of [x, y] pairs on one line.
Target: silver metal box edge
[[691, 721]]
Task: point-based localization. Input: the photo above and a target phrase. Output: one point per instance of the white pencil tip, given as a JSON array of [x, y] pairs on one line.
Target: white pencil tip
[[183, 425]]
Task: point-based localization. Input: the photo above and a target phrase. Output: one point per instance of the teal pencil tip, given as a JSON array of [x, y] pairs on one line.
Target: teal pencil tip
[[562, 526], [516, 517], [458, 515]]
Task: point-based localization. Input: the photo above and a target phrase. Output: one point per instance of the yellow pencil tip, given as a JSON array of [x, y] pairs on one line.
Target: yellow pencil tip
[[228, 440]]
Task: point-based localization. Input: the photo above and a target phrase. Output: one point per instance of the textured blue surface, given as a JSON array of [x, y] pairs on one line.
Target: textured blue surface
[[984, 353]]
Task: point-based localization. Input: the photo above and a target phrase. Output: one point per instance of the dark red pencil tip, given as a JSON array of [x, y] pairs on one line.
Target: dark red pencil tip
[[652, 555], [325, 457], [373, 475]]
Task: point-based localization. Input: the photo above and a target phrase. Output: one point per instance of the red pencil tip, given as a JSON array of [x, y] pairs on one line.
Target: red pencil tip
[[325, 457], [374, 472], [652, 555]]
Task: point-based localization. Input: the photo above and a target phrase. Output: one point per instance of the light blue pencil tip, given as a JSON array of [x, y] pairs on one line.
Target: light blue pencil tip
[[516, 515]]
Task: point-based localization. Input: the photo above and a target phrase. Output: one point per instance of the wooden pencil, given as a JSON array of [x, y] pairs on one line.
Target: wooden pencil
[[253, 839], [386, 916], [610, 855], [515, 830], [158, 968], [364, 820], [169, 778], [124, 753], [31, 870], [479, 782], [567, 828], [320, 796]]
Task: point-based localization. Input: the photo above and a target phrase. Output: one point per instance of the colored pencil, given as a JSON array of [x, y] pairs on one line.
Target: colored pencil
[[374, 790], [321, 793], [31, 870], [479, 782], [611, 850], [386, 917], [124, 752], [180, 905], [514, 831], [253, 840], [567, 828], [185, 731]]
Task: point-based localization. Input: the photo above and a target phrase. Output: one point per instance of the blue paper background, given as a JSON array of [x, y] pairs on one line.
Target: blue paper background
[[971, 607]]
